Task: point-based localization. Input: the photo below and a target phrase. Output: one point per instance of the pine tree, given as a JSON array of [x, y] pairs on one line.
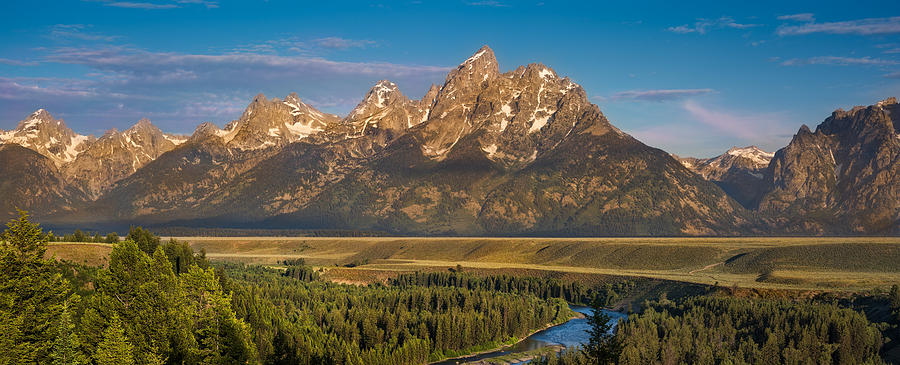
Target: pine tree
[[895, 297], [146, 240], [25, 239], [114, 349], [602, 347], [31, 294], [66, 348]]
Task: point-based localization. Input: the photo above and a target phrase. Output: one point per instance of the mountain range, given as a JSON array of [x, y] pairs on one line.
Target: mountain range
[[485, 153]]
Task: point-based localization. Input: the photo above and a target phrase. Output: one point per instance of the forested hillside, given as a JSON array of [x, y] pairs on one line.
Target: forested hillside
[[158, 303]]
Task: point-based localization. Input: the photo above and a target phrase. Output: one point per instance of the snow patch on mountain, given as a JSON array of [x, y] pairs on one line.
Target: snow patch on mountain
[[547, 74], [301, 130], [72, 149], [752, 153], [177, 140]]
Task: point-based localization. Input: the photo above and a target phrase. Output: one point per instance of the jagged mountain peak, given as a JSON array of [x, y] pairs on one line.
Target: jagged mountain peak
[[881, 117], [475, 70], [889, 101], [383, 94], [40, 119], [740, 172], [48, 136], [845, 175], [203, 131], [273, 122], [483, 56], [515, 113], [752, 153], [384, 113], [115, 156]]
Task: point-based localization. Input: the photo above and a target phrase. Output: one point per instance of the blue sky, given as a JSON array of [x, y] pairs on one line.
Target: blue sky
[[692, 78]]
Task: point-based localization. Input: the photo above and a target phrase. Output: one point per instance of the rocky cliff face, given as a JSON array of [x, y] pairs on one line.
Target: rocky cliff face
[[842, 178], [116, 155], [31, 181], [739, 171]]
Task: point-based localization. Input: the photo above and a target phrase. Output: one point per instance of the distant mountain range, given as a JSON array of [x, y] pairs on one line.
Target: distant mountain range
[[485, 153]]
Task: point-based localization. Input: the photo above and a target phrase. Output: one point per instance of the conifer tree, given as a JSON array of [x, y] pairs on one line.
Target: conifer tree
[[895, 297], [66, 348], [114, 349], [31, 294], [602, 347]]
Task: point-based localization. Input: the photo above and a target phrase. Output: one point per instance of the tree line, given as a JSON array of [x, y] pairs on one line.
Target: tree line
[[573, 292]]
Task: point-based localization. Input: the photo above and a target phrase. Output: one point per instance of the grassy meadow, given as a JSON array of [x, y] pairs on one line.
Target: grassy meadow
[[794, 263]]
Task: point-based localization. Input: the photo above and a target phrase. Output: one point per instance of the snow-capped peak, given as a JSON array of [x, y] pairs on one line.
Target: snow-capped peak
[[47, 136], [481, 52], [382, 91], [752, 153]]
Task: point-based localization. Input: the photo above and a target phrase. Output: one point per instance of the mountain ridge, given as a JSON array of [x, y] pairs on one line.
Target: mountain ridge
[[522, 152]]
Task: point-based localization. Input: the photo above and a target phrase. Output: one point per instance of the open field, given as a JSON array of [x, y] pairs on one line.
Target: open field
[[830, 263], [93, 254]]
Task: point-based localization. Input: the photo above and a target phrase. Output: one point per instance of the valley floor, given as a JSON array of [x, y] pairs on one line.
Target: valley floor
[[789, 263]]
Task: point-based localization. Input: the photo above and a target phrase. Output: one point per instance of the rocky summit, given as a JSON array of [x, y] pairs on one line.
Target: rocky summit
[[844, 177], [739, 171], [520, 152]]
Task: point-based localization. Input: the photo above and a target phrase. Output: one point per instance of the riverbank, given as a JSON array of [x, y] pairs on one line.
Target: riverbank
[[455, 360], [551, 339]]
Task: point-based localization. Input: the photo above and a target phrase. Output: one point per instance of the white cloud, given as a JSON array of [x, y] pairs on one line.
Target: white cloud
[[802, 17], [489, 3], [701, 26], [78, 32], [7, 61], [343, 43], [861, 27], [839, 61], [156, 5]]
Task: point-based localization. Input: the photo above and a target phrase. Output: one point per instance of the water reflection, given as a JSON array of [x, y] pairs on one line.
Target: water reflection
[[572, 333]]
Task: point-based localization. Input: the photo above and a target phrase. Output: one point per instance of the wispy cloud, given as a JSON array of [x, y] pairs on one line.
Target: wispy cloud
[[343, 43], [30, 88], [893, 75], [134, 5], [134, 62], [802, 17], [699, 130], [839, 61], [488, 3], [7, 61], [751, 127], [861, 27], [658, 95], [701, 26], [78, 32], [156, 5]]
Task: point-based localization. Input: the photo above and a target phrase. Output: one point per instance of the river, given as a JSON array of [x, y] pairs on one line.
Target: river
[[572, 333]]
